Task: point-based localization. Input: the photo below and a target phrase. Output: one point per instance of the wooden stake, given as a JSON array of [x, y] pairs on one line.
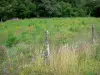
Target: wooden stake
[[47, 43], [47, 51], [92, 34]]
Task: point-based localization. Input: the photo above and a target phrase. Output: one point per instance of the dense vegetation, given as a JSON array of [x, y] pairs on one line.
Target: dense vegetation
[[48, 8], [22, 44]]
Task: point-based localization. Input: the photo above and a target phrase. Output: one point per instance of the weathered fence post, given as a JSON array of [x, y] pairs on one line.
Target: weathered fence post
[[92, 33], [47, 51], [47, 43]]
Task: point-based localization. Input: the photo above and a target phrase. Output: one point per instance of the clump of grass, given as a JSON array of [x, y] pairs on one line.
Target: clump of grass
[[2, 53], [3, 56], [13, 40]]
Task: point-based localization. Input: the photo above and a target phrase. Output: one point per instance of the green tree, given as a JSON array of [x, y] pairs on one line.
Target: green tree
[[48, 8], [91, 6], [24, 8], [5, 9], [65, 9]]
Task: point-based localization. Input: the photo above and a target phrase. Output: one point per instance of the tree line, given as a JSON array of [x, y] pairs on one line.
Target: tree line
[[48, 8]]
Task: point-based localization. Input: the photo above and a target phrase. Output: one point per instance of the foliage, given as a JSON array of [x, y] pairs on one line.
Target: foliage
[[11, 41], [48, 8], [92, 8]]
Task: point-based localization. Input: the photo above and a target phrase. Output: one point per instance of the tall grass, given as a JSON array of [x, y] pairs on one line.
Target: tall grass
[[79, 59]]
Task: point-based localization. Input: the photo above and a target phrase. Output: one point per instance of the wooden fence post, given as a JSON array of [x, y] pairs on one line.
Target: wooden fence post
[[92, 33], [47, 43], [47, 51]]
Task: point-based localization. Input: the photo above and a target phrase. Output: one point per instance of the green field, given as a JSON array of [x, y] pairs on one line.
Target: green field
[[22, 43], [60, 29]]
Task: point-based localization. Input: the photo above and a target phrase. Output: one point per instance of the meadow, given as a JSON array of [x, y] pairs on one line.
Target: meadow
[[22, 43]]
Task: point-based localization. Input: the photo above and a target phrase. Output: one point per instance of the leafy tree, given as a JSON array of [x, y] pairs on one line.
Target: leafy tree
[[65, 9], [91, 7], [5, 9], [48, 8], [24, 8]]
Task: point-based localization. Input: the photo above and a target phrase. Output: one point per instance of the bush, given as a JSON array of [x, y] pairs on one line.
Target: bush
[[13, 40], [96, 11], [93, 8]]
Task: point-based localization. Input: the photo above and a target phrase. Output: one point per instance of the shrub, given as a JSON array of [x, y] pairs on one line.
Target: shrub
[[13, 40]]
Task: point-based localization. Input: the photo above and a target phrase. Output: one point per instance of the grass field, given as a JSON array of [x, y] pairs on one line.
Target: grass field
[[22, 43]]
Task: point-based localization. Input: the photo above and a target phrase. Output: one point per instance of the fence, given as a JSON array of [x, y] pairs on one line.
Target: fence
[[47, 51]]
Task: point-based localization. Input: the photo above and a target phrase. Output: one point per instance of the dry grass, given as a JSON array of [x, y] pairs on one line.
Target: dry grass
[[67, 60]]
